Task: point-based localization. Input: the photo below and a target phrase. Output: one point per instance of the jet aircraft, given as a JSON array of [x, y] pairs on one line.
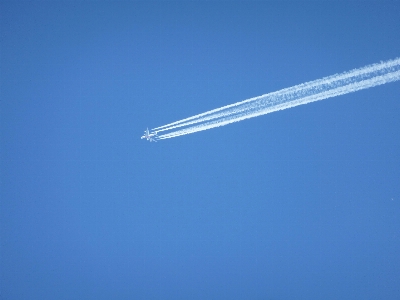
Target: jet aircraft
[[152, 137]]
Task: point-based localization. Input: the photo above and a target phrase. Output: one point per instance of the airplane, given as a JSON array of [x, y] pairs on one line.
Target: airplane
[[152, 137]]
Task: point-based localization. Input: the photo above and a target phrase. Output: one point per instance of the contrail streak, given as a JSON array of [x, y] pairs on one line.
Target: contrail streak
[[327, 87]]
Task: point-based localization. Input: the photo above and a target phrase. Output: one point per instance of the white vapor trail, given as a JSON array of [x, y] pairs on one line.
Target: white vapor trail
[[327, 87]]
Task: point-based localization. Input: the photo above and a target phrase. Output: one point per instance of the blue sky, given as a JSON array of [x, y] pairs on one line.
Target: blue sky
[[298, 204]]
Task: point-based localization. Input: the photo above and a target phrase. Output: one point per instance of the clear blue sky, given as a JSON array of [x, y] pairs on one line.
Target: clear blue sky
[[298, 204]]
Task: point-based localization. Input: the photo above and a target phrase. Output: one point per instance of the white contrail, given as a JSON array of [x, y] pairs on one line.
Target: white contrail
[[332, 86]]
